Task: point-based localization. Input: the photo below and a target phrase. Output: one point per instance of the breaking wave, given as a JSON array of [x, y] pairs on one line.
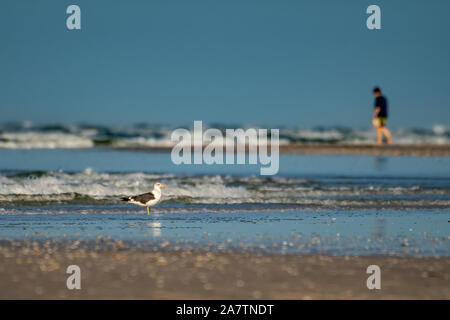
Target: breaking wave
[[28, 136], [19, 188]]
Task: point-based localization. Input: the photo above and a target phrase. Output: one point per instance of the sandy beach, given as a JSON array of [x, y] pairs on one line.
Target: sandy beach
[[31, 270]]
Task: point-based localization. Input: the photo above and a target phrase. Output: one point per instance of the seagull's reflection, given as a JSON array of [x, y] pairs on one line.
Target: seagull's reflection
[[379, 229], [156, 227]]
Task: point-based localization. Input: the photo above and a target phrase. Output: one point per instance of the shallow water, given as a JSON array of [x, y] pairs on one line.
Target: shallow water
[[339, 205], [388, 232]]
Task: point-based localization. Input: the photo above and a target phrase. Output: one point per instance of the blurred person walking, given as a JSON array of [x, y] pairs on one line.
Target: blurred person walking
[[380, 116]]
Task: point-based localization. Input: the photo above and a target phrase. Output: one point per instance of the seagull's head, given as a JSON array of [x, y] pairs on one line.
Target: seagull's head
[[158, 186]]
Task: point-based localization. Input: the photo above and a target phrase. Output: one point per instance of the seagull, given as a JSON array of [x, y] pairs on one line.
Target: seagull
[[146, 199]]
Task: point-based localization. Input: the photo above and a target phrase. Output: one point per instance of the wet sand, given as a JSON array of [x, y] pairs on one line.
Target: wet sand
[[32, 271], [368, 149], [350, 149]]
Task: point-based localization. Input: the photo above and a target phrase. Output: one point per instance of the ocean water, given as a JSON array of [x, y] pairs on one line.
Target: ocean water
[[337, 205], [27, 135]]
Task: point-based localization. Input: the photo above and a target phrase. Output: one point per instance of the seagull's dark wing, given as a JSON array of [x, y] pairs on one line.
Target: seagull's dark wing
[[143, 198]]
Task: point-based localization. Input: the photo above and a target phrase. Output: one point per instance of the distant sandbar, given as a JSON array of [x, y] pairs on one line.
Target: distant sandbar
[[350, 149]]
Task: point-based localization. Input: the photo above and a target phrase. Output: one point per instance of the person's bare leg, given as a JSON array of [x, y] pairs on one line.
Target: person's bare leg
[[379, 133], [388, 135]]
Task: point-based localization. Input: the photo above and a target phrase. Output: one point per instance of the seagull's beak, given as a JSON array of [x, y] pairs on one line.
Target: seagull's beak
[[163, 186]]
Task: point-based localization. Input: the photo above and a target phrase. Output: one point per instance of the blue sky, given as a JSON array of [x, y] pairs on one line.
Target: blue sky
[[306, 63]]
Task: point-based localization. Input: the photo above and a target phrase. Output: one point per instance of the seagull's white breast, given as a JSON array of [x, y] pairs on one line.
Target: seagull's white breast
[[157, 193]]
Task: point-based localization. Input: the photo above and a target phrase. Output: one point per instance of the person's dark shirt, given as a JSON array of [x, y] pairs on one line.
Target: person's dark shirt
[[381, 102]]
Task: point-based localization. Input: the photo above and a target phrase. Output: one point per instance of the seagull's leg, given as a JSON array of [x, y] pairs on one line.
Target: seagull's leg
[[148, 211]]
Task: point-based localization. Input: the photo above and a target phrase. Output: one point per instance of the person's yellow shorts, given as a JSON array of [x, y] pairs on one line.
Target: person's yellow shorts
[[382, 121]]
